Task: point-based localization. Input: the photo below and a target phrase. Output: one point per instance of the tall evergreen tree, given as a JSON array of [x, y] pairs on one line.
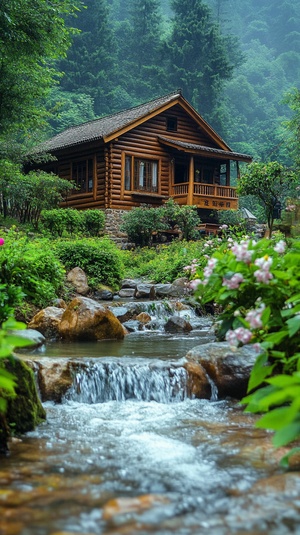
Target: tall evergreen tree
[[32, 36], [90, 64], [197, 56], [140, 49]]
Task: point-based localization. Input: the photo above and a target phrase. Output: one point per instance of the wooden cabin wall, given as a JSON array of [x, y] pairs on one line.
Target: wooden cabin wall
[[94, 199], [142, 141]]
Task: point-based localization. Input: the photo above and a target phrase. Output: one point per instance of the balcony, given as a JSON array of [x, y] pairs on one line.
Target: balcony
[[211, 196]]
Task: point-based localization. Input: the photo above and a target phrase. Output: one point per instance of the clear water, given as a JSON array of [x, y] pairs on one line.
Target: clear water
[[106, 463]]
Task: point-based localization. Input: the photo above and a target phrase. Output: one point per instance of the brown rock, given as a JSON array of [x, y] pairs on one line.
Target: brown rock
[[176, 324], [198, 383], [54, 377], [86, 319], [120, 506], [228, 368], [78, 279], [46, 321], [143, 317]]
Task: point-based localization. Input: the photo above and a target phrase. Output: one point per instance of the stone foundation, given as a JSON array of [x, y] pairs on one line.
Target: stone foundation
[[113, 221]]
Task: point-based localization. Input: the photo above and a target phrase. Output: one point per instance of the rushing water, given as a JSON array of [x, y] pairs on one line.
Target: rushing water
[[127, 452]]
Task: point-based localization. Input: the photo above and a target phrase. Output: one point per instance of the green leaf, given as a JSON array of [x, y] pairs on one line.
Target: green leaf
[[293, 325], [284, 380], [277, 418], [7, 384], [280, 396], [287, 434], [276, 338], [253, 400], [281, 275], [18, 341], [3, 405], [284, 462], [294, 298], [266, 315], [258, 376]]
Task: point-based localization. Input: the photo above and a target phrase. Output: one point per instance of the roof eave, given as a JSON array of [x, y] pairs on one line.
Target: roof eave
[[215, 153]]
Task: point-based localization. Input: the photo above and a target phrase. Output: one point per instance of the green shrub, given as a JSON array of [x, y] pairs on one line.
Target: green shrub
[[141, 222], [11, 297], [60, 221], [31, 266], [93, 222], [185, 217], [68, 221], [100, 259], [166, 262], [24, 196], [233, 219]]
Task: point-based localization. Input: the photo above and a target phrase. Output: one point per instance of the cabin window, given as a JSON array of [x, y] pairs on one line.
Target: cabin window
[[83, 175], [172, 124], [141, 174], [223, 174]]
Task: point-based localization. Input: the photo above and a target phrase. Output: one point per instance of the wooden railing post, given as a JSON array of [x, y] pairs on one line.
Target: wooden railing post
[[191, 182]]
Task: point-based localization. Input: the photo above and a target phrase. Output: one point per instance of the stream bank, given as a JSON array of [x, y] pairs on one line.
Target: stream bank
[[128, 449]]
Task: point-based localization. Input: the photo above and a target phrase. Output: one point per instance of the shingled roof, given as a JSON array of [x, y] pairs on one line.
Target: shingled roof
[[107, 126], [100, 128], [192, 147]]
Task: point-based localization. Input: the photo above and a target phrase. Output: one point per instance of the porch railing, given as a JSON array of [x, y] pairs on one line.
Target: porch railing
[[206, 190]]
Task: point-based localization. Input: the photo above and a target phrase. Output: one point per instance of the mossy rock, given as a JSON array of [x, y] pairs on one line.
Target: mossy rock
[[25, 410]]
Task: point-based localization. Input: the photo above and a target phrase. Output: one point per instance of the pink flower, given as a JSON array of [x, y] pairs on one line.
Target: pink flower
[[254, 317], [234, 282], [2, 241], [223, 227], [195, 283], [241, 252], [208, 270], [263, 274], [264, 262], [280, 247], [238, 335]]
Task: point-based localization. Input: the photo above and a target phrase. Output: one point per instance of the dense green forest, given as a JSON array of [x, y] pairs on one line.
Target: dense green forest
[[236, 61]]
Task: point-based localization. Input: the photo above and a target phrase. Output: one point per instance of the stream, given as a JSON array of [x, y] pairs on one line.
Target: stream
[[127, 452]]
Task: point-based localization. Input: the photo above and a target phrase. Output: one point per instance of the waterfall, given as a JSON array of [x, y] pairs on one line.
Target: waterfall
[[123, 379]]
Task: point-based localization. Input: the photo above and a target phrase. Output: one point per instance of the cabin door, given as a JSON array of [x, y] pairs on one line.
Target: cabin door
[[181, 173]]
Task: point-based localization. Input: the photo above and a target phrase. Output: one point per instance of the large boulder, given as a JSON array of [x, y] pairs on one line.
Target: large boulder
[[78, 279], [54, 376], [145, 291], [46, 321], [228, 368], [34, 337], [177, 324], [86, 319], [198, 382], [24, 411]]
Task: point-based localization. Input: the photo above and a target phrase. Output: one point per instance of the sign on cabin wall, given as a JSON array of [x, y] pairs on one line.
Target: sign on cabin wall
[[216, 204]]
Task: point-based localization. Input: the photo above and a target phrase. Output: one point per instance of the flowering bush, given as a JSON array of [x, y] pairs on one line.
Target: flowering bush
[[257, 286]]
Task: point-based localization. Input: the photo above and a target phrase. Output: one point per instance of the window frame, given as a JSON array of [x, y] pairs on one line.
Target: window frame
[[132, 180], [90, 175], [171, 123]]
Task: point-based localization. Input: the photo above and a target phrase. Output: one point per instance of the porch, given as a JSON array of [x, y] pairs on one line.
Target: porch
[[209, 196]]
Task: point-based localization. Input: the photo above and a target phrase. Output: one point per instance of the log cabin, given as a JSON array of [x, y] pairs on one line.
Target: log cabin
[[145, 155]]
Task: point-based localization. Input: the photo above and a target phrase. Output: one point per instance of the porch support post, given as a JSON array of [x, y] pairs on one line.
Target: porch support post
[[191, 182], [228, 173]]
